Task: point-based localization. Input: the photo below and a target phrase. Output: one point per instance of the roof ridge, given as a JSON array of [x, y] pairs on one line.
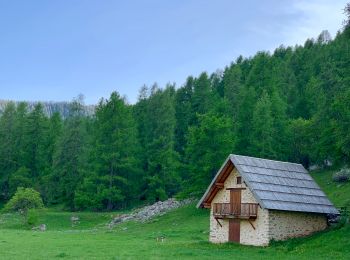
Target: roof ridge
[[274, 176], [315, 188], [266, 159], [282, 170]]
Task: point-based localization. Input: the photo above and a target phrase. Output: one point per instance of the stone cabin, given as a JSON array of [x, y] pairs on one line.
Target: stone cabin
[[253, 201]]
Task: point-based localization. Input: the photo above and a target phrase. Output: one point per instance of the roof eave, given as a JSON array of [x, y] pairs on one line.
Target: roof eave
[[200, 203]]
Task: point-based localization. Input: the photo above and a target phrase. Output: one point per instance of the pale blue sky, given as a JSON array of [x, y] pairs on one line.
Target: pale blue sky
[[54, 50]]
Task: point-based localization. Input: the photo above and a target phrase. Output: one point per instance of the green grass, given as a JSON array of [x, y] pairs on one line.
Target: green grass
[[339, 193], [185, 231], [56, 220]]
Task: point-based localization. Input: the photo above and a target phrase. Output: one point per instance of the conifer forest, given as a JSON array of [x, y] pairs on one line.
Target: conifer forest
[[292, 104]]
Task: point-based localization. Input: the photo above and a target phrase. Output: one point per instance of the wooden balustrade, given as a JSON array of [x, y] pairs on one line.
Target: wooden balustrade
[[228, 210]]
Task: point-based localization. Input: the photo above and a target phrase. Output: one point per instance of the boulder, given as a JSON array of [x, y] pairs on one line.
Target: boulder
[[74, 218], [41, 227]]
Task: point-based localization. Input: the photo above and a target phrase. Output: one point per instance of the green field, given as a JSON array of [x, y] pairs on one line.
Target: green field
[[185, 231]]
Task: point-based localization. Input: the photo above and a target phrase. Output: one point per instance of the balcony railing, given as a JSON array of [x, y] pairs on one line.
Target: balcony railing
[[228, 210]]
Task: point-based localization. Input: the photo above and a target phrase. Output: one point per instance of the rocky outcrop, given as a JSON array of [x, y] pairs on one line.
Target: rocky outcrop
[[146, 213], [51, 107]]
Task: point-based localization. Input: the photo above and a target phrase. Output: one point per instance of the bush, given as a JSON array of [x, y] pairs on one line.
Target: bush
[[33, 217], [24, 200], [342, 176]]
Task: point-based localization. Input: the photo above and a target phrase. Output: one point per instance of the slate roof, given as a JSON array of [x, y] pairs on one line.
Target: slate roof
[[278, 185]]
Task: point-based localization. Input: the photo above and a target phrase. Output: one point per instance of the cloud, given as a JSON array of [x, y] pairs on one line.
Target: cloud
[[314, 17]]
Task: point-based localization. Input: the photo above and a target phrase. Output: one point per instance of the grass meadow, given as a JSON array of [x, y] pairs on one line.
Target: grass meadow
[[185, 230]]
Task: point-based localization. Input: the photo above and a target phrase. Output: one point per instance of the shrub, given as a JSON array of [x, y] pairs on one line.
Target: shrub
[[33, 217], [24, 200], [342, 176]]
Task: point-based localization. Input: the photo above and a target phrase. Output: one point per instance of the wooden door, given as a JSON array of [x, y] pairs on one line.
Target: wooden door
[[234, 230], [235, 201], [235, 224]]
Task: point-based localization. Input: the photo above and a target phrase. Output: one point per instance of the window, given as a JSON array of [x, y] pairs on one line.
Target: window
[[239, 180]]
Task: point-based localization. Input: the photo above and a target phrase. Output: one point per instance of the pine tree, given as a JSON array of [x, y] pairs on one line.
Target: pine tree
[[243, 127], [300, 141], [183, 114], [114, 158], [36, 134], [207, 144], [341, 122], [8, 160], [55, 129], [314, 97], [232, 86], [20, 178], [21, 134], [263, 132], [162, 179], [260, 74], [280, 127], [69, 162], [202, 95]]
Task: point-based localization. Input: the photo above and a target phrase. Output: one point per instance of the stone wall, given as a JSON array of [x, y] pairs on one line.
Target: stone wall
[[218, 234], [249, 235], [288, 224], [258, 236]]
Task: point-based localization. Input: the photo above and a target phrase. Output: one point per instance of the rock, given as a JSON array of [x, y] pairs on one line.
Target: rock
[[332, 218], [161, 239], [314, 167], [146, 213], [41, 227], [74, 218]]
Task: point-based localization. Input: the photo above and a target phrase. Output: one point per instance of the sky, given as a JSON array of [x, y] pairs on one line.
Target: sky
[[56, 50]]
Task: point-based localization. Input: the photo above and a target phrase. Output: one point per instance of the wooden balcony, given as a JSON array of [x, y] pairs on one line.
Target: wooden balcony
[[241, 211]]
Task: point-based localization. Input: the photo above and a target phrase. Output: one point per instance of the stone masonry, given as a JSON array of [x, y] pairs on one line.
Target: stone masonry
[[288, 224]]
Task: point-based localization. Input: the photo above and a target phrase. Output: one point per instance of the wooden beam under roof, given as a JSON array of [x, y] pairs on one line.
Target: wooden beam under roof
[[226, 171], [207, 205], [219, 185]]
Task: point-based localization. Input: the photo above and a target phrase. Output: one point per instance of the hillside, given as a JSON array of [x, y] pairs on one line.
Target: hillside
[[338, 192], [185, 231]]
